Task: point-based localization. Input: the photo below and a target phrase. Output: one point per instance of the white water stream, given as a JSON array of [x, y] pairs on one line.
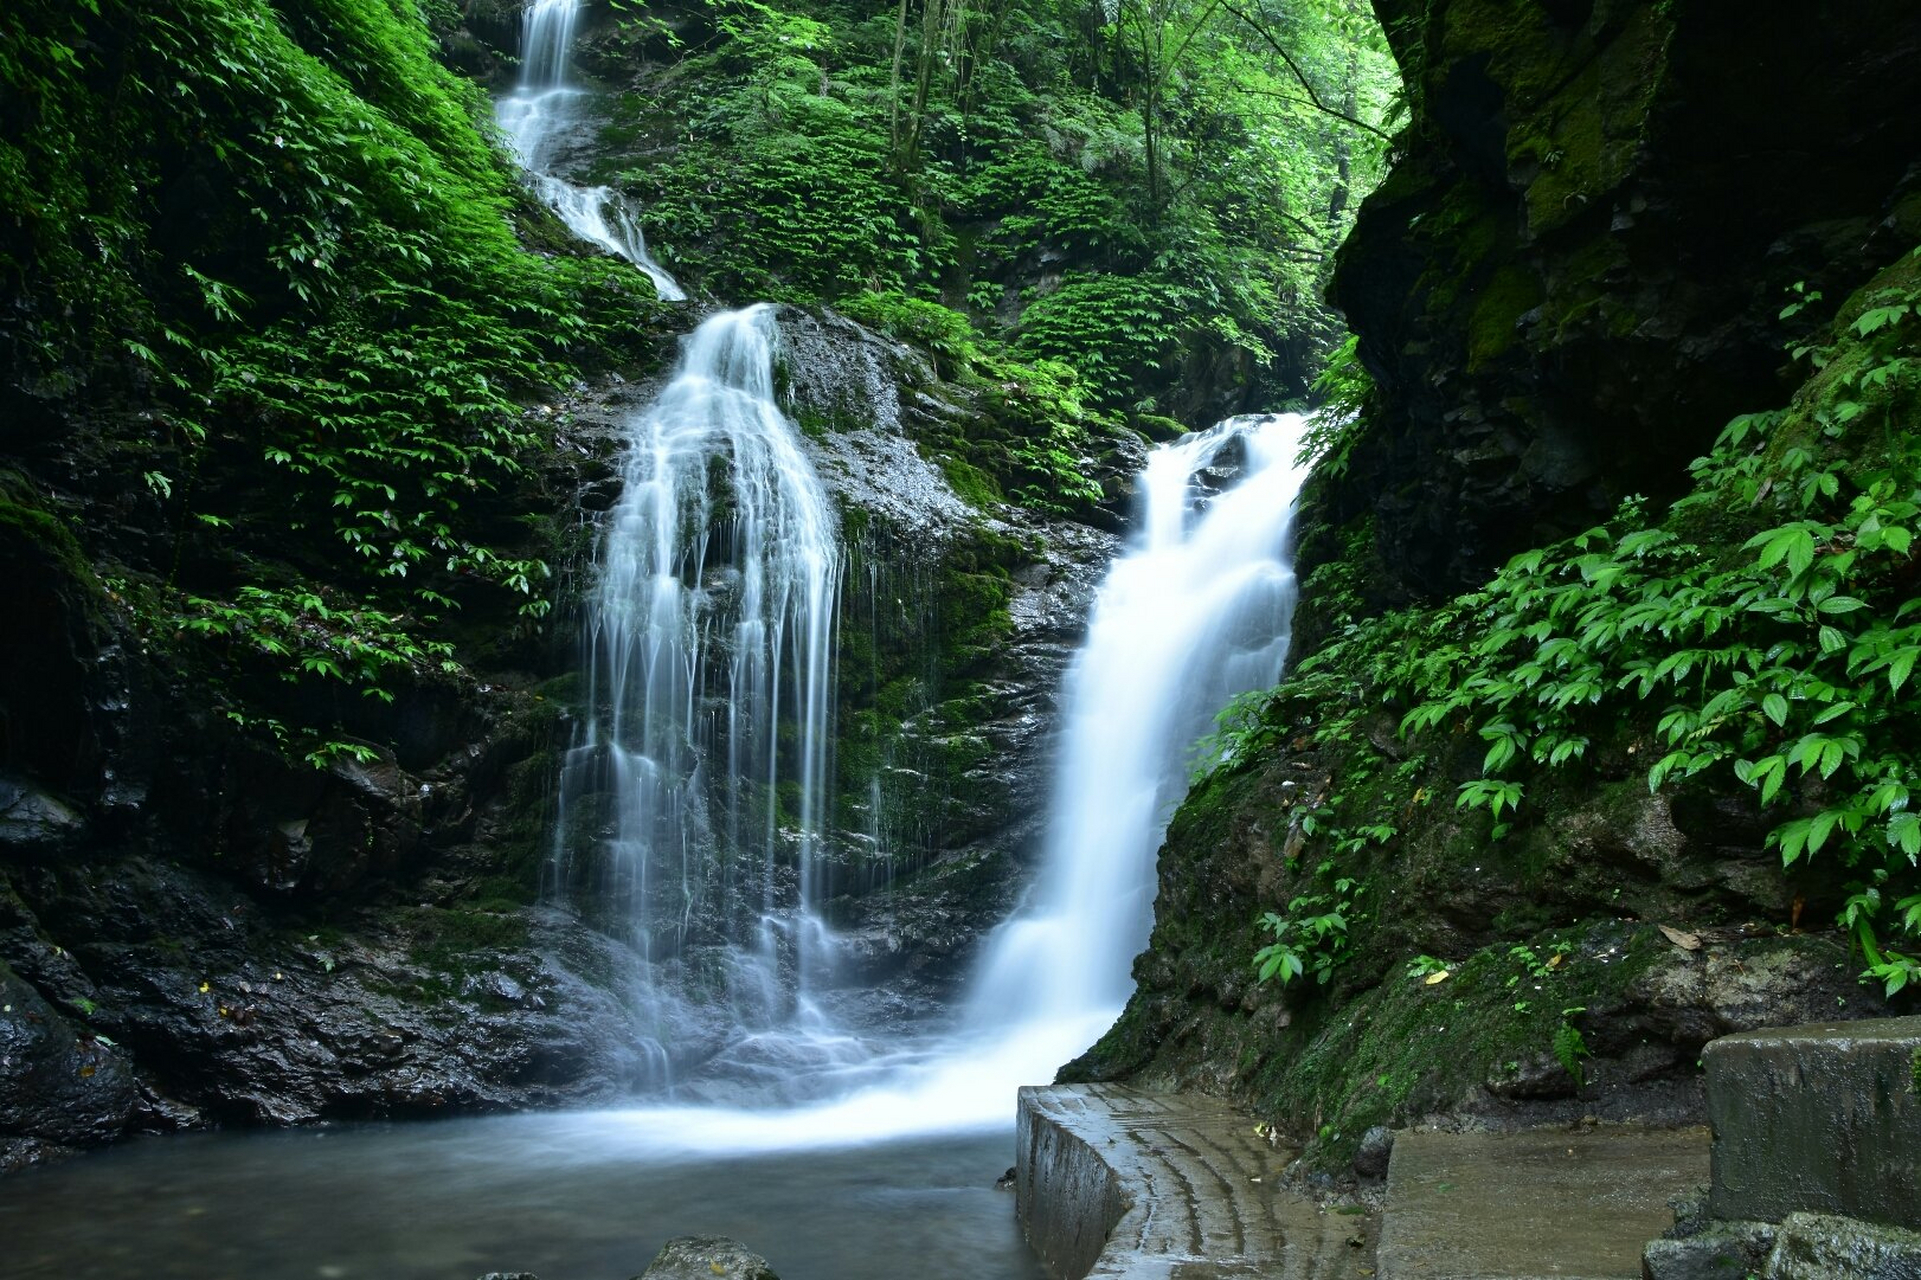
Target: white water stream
[[697, 792], [539, 114], [1195, 612]]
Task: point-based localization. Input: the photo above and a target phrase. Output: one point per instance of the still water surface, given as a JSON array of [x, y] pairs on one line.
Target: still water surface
[[568, 1197]]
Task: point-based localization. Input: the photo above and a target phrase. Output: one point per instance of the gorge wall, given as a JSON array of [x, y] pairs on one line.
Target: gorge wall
[[1605, 226], [1574, 274]]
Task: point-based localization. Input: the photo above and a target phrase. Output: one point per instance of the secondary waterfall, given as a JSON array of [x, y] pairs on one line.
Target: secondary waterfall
[[537, 118], [1198, 610], [694, 801]]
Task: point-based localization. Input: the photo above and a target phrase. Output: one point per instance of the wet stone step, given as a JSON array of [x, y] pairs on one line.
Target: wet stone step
[[1116, 1183], [1542, 1203]]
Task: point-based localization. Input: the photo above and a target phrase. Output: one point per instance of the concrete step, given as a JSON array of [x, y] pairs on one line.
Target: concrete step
[[1542, 1203], [1120, 1184]]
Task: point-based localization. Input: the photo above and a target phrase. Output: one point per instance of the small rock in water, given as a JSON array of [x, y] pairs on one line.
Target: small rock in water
[[707, 1258], [1006, 1181], [510, 1275]]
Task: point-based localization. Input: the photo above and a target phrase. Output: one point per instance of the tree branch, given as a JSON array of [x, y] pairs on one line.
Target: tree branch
[[1313, 96]]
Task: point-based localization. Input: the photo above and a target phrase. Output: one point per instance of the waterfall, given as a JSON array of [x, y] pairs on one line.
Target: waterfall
[[1196, 611], [538, 117], [694, 799]]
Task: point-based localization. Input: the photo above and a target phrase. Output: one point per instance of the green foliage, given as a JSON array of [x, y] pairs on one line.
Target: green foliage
[[1311, 938], [1040, 459], [1120, 190], [1333, 429], [280, 236], [1104, 326], [1570, 1047], [1763, 637]]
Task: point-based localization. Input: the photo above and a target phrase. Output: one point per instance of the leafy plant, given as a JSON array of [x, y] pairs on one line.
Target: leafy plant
[[1570, 1047], [1761, 636]]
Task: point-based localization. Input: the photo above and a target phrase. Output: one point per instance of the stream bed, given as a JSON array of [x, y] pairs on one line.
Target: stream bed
[[569, 1197]]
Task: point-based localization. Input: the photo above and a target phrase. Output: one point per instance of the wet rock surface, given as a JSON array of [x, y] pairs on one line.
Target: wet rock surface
[[66, 1088], [707, 1258], [1573, 276], [1803, 1246]]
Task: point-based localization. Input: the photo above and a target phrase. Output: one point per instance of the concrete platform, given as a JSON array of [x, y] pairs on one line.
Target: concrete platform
[[1823, 1118], [1124, 1185], [1525, 1206]]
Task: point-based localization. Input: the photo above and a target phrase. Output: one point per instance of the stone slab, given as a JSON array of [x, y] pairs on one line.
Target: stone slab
[[1121, 1184], [1823, 1118], [1522, 1206]]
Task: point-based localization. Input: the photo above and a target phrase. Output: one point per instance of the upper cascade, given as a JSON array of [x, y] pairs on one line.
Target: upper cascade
[[538, 115], [698, 790]]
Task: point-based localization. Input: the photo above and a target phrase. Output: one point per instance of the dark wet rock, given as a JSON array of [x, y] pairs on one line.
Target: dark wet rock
[[1377, 1147], [1538, 1076], [1811, 1246], [707, 1258], [1710, 1252], [33, 822], [66, 1087]]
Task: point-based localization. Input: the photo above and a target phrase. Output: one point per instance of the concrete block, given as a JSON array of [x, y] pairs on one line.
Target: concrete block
[[1823, 1119]]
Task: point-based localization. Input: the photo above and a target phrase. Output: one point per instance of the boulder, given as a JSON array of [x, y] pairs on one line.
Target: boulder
[[66, 1087], [707, 1258]]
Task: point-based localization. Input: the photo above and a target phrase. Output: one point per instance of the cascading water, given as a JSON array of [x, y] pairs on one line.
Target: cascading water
[[694, 800], [1198, 611], [539, 114]]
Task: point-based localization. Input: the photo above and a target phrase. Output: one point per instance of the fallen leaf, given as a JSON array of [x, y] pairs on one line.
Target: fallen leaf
[[1685, 941], [1436, 978], [1554, 961]]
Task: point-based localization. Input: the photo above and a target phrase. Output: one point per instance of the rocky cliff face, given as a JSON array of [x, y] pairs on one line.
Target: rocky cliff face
[[1573, 276]]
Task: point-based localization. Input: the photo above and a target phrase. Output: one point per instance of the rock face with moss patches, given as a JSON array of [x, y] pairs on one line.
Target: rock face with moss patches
[[217, 931], [1572, 277]]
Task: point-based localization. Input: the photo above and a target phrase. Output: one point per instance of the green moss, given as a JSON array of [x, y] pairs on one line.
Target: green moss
[[974, 486], [25, 521], [459, 941], [1512, 293], [1408, 1046]]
